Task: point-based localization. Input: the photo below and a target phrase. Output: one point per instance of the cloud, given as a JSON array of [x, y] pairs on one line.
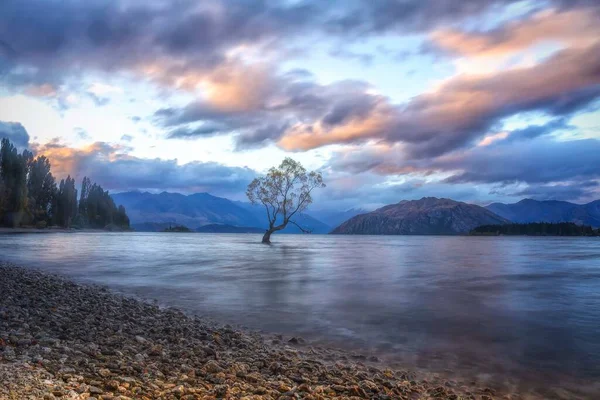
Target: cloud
[[300, 114], [207, 49], [44, 42], [205, 130], [572, 28], [365, 59], [368, 190], [380, 16], [99, 101], [114, 169], [228, 56], [15, 132], [588, 190], [541, 160], [529, 162], [287, 103], [82, 133], [55, 40], [259, 137], [465, 107], [533, 131], [45, 90]]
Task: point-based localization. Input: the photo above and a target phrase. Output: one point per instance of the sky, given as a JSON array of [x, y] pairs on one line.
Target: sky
[[478, 101]]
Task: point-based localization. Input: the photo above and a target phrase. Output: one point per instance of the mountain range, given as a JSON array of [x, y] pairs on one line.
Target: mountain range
[[156, 211], [207, 213], [193, 210], [529, 210], [428, 216]]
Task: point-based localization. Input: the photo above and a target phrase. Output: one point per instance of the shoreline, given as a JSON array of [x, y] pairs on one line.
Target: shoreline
[[4, 230], [60, 339]]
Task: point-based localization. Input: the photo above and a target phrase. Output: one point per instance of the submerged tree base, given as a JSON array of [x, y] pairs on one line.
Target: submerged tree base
[[267, 237]]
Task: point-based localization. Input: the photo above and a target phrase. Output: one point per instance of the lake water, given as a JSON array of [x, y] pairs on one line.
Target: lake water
[[518, 306]]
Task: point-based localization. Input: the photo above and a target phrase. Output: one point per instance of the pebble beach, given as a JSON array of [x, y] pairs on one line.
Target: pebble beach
[[64, 340]]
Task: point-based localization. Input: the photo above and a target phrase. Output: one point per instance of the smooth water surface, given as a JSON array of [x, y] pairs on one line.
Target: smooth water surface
[[515, 305]]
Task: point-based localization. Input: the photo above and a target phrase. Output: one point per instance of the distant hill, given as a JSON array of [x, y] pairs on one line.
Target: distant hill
[[529, 210], [335, 218], [192, 211], [156, 211], [428, 216], [217, 228]]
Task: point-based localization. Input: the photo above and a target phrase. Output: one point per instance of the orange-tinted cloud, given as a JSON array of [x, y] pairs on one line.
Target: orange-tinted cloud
[[570, 28], [111, 166], [68, 161], [44, 90]]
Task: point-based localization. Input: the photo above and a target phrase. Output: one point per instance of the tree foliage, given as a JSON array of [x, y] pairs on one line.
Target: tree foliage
[[13, 171], [285, 191], [65, 209], [29, 196], [97, 209], [41, 188]]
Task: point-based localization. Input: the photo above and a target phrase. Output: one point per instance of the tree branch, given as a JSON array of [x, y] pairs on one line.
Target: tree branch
[[301, 228], [268, 213]]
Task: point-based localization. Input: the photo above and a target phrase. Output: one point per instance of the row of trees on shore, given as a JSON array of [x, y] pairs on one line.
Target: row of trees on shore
[[537, 229], [30, 196]]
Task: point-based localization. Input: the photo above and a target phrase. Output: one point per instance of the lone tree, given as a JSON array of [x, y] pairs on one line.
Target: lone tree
[[284, 192]]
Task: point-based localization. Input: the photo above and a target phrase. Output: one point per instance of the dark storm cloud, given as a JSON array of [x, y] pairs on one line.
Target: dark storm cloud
[[15, 132]]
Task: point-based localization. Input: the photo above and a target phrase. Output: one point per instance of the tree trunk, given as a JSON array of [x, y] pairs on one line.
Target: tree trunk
[[267, 237]]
